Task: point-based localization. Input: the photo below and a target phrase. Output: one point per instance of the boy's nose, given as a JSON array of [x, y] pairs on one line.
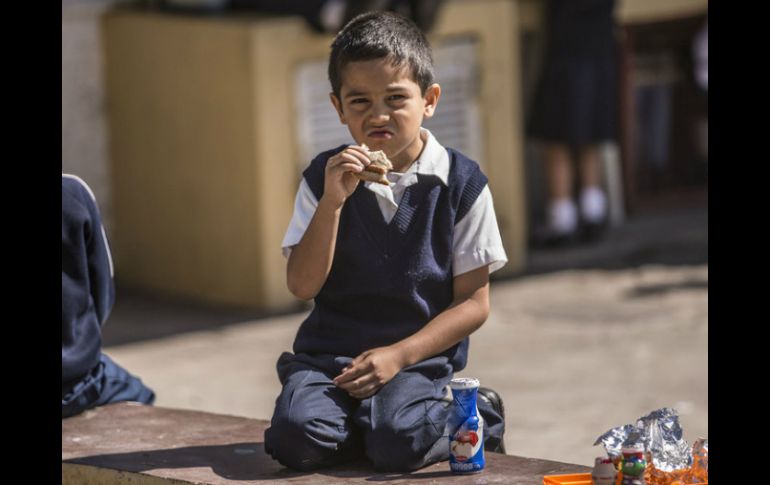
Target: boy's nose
[[380, 115]]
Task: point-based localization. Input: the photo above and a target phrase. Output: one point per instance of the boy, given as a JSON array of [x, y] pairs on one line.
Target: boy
[[88, 377], [399, 273]]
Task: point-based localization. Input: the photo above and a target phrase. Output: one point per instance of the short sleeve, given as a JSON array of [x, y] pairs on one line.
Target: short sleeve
[[477, 240], [305, 205]]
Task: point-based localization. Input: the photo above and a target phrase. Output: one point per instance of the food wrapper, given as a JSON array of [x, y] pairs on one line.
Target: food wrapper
[[614, 440], [663, 439], [670, 460]]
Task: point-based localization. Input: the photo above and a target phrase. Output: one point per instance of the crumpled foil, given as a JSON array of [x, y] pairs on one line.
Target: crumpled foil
[[661, 436], [615, 439], [663, 439]]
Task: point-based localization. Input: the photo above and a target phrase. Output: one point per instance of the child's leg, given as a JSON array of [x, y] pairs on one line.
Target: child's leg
[[561, 214], [312, 423], [593, 201], [108, 383], [404, 422], [119, 385]]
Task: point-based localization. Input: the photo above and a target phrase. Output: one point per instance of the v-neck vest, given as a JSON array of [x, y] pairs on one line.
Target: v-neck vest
[[388, 280]]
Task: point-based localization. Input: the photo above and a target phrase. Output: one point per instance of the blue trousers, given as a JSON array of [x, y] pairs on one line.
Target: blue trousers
[[399, 429], [107, 383]]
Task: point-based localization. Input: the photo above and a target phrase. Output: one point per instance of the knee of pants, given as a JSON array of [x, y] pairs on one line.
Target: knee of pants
[[398, 449], [303, 445]]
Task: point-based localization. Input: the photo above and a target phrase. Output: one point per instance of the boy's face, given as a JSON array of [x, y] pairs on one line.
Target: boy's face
[[384, 108]]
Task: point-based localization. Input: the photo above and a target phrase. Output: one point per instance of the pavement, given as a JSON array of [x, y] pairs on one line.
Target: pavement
[[588, 338]]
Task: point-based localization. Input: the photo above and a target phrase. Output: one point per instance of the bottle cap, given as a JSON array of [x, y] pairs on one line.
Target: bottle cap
[[460, 383]]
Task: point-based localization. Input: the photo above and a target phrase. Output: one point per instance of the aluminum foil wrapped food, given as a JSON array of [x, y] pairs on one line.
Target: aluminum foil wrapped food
[[697, 473], [663, 439], [670, 459], [613, 439]]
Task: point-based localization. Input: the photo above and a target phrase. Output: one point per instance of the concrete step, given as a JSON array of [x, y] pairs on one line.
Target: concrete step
[[128, 443]]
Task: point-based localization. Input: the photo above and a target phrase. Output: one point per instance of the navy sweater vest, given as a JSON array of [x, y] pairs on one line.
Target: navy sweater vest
[[388, 280]]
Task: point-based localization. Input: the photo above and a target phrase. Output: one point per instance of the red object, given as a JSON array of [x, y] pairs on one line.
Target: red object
[[470, 437]]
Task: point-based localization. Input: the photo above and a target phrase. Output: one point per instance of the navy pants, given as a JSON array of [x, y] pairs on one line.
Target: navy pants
[[107, 383], [400, 428]]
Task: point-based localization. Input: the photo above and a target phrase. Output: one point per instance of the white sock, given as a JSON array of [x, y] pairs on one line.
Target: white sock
[[562, 216], [593, 204]]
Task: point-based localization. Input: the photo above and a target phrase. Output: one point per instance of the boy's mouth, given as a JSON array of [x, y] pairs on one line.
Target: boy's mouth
[[380, 134]]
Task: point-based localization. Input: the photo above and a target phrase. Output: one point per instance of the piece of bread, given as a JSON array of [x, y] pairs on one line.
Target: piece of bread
[[378, 169]]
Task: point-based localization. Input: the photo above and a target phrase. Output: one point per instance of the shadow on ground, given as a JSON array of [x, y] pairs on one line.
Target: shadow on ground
[[673, 237], [139, 316]]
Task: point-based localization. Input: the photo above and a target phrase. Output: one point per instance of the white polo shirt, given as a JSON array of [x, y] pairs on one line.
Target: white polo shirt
[[477, 239]]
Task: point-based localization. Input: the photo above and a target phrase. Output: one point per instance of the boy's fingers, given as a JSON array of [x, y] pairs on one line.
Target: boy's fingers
[[349, 375], [351, 167], [359, 149], [343, 378], [358, 153], [348, 159], [357, 167], [346, 168], [342, 158], [357, 384], [350, 386], [365, 391], [357, 367]]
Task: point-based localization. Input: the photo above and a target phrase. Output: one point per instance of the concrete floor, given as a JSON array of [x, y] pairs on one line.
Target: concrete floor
[[590, 338]]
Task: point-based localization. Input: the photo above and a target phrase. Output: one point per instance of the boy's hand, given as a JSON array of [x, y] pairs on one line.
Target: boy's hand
[[339, 181], [368, 372]]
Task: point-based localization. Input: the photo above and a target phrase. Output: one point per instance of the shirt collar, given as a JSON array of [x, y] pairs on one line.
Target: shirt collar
[[434, 159]]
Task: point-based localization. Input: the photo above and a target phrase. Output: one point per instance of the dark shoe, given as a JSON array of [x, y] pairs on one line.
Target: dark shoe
[[496, 402], [544, 237]]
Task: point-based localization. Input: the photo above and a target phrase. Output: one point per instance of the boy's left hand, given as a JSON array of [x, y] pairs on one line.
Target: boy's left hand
[[368, 372]]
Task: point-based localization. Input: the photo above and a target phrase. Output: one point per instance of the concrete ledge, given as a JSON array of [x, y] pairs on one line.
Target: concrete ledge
[[142, 445]]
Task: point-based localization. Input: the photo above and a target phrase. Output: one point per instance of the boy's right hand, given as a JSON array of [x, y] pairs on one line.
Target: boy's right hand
[[340, 183]]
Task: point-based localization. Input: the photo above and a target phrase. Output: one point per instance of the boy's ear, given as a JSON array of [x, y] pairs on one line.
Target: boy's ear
[[432, 95], [338, 106]]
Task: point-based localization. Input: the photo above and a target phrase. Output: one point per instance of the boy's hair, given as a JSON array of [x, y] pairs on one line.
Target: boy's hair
[[377, 35]]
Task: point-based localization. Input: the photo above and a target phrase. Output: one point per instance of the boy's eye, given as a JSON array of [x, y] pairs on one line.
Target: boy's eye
[[358, 100], [396, 97]]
